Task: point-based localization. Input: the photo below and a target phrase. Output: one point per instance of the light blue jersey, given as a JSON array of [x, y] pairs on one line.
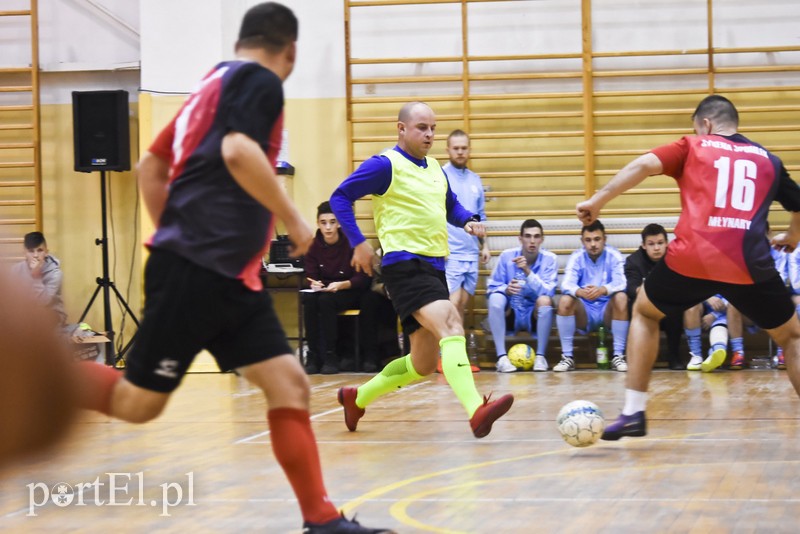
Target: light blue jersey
[[607, 271], [781, 263], [541, 281], [466, 185]]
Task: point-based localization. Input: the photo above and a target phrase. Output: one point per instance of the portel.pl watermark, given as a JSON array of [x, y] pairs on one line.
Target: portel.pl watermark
[[112, 489]]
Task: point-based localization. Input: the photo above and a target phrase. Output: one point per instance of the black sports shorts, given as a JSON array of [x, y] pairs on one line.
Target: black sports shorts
[[189, 308], [768, 304], [411, 285]]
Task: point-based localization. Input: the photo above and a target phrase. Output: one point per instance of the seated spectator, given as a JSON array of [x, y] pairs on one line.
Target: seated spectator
[[335, 287], [593, 279], [378, 327], [523, 281], [710, 315], [637, 266], [737, 322], [42, 272]]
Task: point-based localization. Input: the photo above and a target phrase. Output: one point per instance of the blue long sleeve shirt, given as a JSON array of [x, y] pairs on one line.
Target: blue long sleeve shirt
[[608, 271], [373, 177]]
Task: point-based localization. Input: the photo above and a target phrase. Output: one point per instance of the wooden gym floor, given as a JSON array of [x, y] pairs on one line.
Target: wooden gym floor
[[721, 456]]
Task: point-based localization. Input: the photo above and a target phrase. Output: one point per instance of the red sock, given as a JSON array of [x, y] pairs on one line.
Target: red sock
[[295, 448], [97, 386]]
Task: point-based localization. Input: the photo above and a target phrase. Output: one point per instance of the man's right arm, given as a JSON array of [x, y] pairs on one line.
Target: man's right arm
[[569, 284], [153, 173], [249, 166], [629, 176], [373, 177]]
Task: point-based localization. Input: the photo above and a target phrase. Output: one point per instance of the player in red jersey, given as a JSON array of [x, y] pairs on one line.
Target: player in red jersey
[[727, 184], [209, 185]]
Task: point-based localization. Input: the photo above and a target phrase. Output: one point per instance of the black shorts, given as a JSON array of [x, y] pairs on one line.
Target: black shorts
[[189, 308], [768, 304], [411, 285]]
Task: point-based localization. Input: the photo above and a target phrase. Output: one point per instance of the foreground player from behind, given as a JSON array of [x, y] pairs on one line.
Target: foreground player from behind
[[209, 184], [413, 203], [727, 184]]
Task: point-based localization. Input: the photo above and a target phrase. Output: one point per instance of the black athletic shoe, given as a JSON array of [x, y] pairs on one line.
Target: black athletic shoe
[[626, 425], [342, 525]]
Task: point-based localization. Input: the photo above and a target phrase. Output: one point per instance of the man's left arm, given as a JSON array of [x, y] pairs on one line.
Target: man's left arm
[[485, 253], [633, 277], [544, 283], [457, 215], [51, 283]]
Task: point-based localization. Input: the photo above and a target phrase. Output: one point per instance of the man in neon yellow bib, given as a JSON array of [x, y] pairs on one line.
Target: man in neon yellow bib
[[412, 204]]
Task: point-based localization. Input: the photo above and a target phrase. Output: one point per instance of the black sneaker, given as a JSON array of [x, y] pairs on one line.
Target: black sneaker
[[328, 369], [626, 425], [342, 525], [369, 367]]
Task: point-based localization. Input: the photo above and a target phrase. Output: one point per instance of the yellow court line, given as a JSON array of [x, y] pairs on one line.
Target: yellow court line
[[401, 515], [399, 509]]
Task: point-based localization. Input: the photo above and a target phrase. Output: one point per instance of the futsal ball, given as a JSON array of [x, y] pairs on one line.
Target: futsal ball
[[581, 423], [521, 356]]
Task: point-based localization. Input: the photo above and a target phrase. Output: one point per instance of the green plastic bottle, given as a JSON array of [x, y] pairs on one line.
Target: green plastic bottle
[[602, 349]]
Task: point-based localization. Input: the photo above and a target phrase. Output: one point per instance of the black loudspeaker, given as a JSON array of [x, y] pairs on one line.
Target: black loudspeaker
[[101, 131]]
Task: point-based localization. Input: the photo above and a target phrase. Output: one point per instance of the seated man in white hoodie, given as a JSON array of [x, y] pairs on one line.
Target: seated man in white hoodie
[[42, 272]]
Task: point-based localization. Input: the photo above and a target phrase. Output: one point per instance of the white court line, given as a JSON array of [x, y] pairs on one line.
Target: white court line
[[266, 432], [502, 500], [474, 441], [334, 410], [257, 391], [79, 495]]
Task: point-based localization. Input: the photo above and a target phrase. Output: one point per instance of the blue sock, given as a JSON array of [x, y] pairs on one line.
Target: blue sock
[[544, 323], [737, 344], [619, 329], [566, 331], [694, 341]]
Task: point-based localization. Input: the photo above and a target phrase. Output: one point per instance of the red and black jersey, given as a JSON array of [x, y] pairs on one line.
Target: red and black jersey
[[727, 184], [208, 218]]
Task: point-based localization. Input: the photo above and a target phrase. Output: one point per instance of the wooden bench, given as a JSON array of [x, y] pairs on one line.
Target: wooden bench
[[562, 237]]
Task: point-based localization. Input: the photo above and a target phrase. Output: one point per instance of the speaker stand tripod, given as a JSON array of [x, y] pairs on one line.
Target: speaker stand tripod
[[107, 285]]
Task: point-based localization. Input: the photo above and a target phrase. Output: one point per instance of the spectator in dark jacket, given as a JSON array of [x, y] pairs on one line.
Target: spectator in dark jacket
[[334, 286], [637, 266]]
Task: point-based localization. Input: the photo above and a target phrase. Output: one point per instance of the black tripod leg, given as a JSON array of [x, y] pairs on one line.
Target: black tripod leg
[[121, 299], [91, 301]]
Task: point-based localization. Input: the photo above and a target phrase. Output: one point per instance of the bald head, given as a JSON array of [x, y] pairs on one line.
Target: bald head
[[416, 123], [408, 108]]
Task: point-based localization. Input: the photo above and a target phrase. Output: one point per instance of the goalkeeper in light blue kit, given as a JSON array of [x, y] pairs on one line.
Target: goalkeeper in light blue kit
[[593, 291], [523, 281]]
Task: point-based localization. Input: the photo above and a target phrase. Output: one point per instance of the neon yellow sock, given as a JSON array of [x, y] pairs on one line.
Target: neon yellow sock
[[458, 372], [396, 374]]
